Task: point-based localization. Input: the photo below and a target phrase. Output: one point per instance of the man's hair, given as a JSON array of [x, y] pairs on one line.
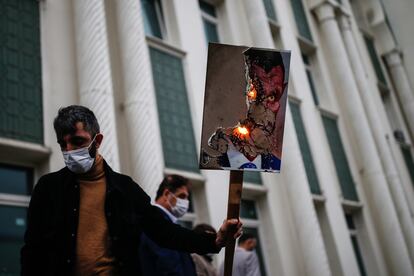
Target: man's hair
[[266, 59], [172, 183], [245, 237], [65, 121]]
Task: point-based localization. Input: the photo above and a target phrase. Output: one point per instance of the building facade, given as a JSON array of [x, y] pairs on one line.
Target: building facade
[[343, 203]]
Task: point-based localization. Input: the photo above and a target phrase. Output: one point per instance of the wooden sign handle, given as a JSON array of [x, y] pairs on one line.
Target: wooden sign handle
[[233, 210]]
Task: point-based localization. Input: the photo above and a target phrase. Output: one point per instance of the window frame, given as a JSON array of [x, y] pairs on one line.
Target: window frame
[[334, 116], [18, 199], [354, 210], [255, 223], [210, 19], [315, 195], [159, 8]]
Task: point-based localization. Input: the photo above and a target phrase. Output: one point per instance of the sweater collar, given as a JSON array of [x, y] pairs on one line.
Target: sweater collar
[[96, 172]]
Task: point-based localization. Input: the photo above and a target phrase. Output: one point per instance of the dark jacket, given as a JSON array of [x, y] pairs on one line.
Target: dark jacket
[[156, 260], [50, 238]]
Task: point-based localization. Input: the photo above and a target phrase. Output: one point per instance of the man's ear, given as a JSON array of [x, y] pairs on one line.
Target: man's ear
[[98, 140], [166, 192]]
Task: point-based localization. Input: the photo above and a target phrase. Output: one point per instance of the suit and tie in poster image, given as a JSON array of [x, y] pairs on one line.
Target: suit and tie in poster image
[[244, 108]]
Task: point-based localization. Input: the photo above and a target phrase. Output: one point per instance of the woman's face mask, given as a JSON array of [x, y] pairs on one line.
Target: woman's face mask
[[79, 160]]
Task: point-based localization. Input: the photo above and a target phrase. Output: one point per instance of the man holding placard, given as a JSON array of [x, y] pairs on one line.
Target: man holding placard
[[87, 219]]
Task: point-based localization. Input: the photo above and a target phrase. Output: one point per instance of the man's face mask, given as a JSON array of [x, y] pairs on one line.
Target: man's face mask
[[180, 208], [79, 160]]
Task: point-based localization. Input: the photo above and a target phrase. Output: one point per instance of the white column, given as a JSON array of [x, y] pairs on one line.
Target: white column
[[379, 199], [140, 104], [390, 169], [402, 86], [258, 24], [59, 71], [94, 72], [304, 215]]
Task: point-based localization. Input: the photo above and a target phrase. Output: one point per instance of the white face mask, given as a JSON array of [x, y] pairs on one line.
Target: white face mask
[[79, 160], [180, 208]]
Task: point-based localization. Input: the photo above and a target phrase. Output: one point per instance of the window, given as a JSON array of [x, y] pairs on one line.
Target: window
[[251, 225], [153, 18], [252, 177], [353, 233], [341, 163], [248, 209], [270, 10], [13, 226], [15, 180], [308, 68], [15, 187], [174, 112], [21, 111], [328, 238], [208, 14], [375, 61], [301, 20], [409, 162], [305, 149]]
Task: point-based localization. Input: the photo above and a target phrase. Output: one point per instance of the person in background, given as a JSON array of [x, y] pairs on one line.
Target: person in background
[[204, 263], [172, 199], [246, 262]]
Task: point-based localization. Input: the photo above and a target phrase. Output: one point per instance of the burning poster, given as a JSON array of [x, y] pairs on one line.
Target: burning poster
[[244, 108]]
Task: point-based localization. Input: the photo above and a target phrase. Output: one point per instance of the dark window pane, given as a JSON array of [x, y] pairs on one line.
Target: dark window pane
[[210, 30], [350, 222], [13, 225], [259, 252], [340, 160], [300, 18], [21, 111], [358, 255], [252, 177], [375, 60], [305, 149], [312, 87], [305, 59], [248, 209], [408, 161], [270, 10], [174, 112], [207, 8], [151, 21], [15, 180]]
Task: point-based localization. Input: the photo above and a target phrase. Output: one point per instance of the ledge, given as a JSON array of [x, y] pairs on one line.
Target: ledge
[[19, 151], [196, 179], [318, 199], [306, 46], [254, 190], [14, 200], [327, 112], [274, 26], [351, 206], [160, 44], [294, 98]]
